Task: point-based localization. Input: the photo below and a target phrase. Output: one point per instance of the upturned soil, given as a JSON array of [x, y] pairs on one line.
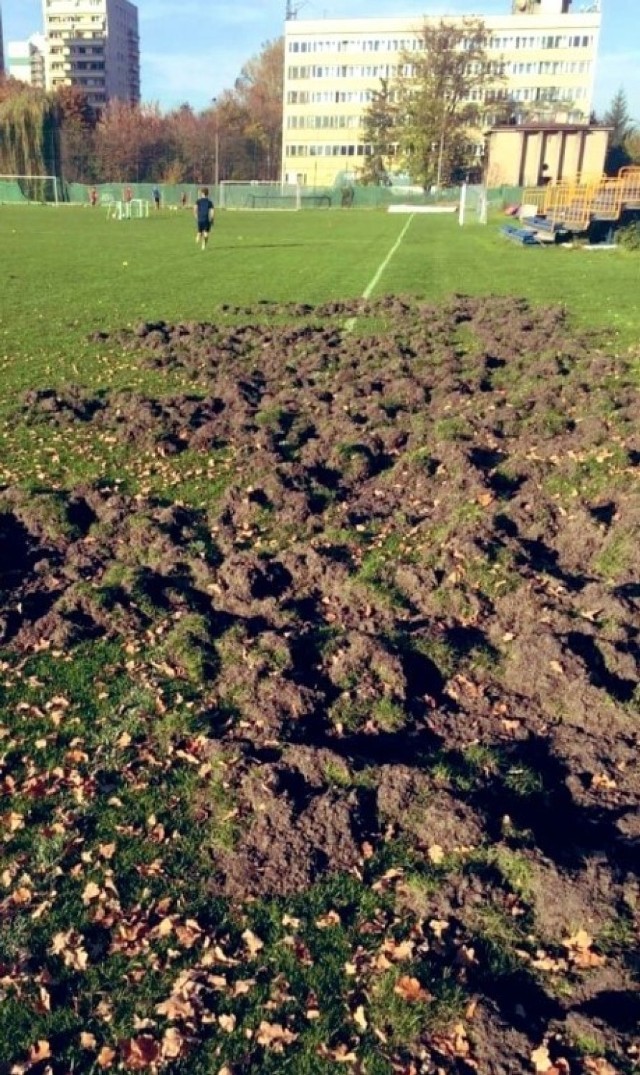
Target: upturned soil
[[411, 617]]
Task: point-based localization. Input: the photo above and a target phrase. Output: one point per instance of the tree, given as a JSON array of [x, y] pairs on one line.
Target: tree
[[28, 131], [632, 146], [440, 99], [617, 116], [77, 122], [380, 122], [259, 90], [133, 143]]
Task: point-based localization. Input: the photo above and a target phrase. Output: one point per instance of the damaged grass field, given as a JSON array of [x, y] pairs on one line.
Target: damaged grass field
[[319, 620]]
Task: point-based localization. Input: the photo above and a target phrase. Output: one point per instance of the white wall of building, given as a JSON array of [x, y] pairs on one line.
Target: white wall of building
[[331, 67]]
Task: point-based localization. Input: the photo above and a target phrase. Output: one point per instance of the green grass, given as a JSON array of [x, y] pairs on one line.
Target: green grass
[[109, 732], [71, 271]]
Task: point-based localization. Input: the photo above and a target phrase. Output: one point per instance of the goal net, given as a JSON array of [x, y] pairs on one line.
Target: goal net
[[259, 194], [473, 204], [20, 189]]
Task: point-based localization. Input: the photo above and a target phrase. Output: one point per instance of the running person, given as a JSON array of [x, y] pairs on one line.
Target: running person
[[204, 213]]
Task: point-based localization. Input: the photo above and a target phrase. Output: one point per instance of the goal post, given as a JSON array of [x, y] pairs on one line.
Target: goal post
[[22, 189], [473, 204], [259, 194]]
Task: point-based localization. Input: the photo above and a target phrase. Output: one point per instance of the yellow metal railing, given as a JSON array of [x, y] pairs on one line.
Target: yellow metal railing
[[569, 202], [630, 179], [575, 202], [534, 196], [607, 199]]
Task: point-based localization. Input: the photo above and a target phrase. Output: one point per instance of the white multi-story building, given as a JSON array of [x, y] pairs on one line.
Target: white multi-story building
[[93, 44], [25, 60], [545, 51]]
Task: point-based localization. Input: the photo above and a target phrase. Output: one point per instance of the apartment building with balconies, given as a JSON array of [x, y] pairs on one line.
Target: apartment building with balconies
[[545, 51], [95, 45], [25, 60]]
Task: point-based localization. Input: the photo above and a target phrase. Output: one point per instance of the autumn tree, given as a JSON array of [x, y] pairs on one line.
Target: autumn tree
[[77, 122], [258, 91], [133, 143], [440, 99], [380, 122]]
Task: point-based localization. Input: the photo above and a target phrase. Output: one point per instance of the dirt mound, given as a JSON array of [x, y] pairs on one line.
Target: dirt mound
[[412, 615]]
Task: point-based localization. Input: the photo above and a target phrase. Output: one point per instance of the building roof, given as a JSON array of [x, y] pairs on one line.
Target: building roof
[[550, 126]]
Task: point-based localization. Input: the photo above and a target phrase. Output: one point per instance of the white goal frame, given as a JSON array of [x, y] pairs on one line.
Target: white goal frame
[[35, 179], [258, 190], [477, 212], [135, 209]]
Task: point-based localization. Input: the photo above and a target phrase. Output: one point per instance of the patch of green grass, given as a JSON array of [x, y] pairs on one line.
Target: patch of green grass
[[594, 476], [514, 868], [400, 1021], [388, 715], [337, 774], [453, 428], [617, 556]]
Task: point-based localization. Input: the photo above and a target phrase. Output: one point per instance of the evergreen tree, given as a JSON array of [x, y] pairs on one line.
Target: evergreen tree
[[617, 116]]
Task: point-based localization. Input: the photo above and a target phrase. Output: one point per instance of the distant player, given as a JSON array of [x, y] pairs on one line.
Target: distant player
[[204, 213]]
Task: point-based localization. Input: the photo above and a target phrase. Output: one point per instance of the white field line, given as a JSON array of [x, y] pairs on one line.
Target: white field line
[[349, 325]]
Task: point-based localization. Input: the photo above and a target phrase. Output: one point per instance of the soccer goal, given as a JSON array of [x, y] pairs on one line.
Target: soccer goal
[[21, 189], [259, 194], [473, 204]]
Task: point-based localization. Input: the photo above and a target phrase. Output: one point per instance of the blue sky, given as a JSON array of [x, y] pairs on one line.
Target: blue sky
[[194, 49]]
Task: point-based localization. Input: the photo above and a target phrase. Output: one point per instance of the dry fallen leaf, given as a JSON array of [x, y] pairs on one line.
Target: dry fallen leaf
[[173, 1044], [332, 918], [91, 892], [106, 1056], [139, 1053], [436, 854], [252, 943], [360, 1018], [579, 950], [598, 1065], [274, 1036], [602, 782], [40, 1051], [411, 990], [540, 1059]]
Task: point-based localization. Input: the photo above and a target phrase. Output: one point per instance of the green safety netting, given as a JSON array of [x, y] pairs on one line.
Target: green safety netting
[[246, 195]]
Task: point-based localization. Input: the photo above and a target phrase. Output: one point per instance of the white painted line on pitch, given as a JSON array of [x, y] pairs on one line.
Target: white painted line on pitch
[[350, 324]]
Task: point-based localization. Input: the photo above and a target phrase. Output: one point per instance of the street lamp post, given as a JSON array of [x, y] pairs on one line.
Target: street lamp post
[[216, 146], [440, 156]]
